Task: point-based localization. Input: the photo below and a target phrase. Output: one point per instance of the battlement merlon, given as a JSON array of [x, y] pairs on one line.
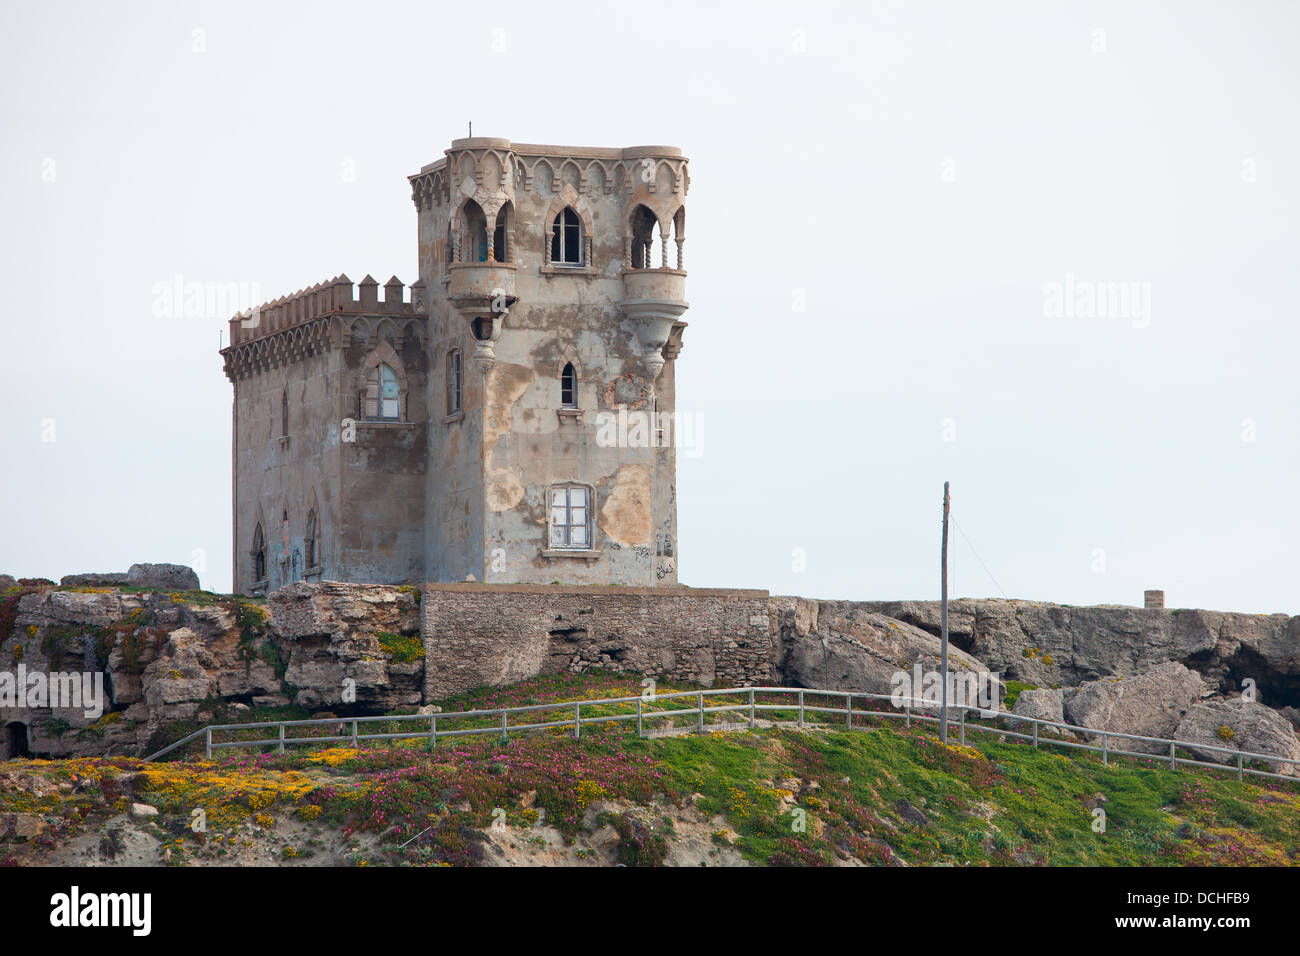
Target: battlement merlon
[[623, 168], [327, 298]]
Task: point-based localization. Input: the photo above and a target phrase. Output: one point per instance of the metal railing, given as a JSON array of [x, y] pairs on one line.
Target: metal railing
[[749, 706]]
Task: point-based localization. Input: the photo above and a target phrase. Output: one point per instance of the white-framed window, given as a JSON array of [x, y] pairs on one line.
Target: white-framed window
[[382, 401], [570, 520], [566, 238]]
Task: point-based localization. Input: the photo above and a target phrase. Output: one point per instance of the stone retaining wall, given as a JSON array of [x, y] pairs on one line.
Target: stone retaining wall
[[477, 634]]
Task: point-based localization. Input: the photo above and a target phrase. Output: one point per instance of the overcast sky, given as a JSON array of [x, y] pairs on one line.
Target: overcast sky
[[899, 216]]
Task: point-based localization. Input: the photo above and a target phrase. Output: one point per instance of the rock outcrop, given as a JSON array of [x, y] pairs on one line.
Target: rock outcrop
[[1058, 645], [1241, 725], [332, 634], [1042, 704], [175, 577], [1150, 705], [94, 579], [166, 658], [839, 645], [171, 657]]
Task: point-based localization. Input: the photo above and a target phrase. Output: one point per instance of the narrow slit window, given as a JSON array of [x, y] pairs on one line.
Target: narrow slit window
[[259, 555], [309, 539], [453, 382]]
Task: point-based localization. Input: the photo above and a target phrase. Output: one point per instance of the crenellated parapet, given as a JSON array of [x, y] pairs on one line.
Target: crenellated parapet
[[316, 319], [657, 173]]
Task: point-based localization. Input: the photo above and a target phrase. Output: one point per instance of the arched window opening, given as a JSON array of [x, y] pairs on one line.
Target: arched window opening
[[259, 556], [453, 382], [679, 236], [474, 245], [568, 387], [566, 238], [501, 235], [645, 233], [309, 539], [570, 524], [382, 397]]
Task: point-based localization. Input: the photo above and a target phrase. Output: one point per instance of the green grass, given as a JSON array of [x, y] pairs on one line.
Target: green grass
[[993, 803], [1014, 687]]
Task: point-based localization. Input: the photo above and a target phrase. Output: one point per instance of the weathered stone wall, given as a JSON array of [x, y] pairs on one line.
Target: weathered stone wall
[[477, 634], [365, 481], [491, 465], [275, 474]]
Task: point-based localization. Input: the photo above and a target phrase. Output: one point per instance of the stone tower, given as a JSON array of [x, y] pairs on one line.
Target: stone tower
[[514, 421]]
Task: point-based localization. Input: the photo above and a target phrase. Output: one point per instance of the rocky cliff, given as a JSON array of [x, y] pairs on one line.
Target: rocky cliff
[[171, 661]]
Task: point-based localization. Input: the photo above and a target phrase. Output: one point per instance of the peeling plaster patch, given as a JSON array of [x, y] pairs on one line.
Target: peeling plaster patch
[[625, 516], [505, 490], [506, 385]]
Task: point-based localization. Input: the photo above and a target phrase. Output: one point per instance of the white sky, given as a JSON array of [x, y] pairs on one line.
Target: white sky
[[824, 170]]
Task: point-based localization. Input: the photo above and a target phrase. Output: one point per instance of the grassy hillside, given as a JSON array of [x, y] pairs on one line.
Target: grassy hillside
[[884, 795]]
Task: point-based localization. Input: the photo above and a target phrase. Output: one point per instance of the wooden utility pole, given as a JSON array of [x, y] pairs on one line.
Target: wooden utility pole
[[943, 625]]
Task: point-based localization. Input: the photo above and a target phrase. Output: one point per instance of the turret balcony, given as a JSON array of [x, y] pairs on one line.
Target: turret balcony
[[654, 299], [473, 283]]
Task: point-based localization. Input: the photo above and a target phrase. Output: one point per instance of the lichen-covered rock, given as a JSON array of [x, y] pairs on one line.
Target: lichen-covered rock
[[173, 577], [1049, 644], [1242, 725], [1150, 705], [101, 579], [333, 636], [840, 646], [1043, 703]]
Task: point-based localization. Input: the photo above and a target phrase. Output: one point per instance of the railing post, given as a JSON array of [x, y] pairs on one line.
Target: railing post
[[504, 733], [907, 714], [1105, 751], [751, 708], [1240, 767], [700, 723], [433, 731], [638, 718], [848, 711], [1173, 763], [207, 744], [281, 736], [962, 720], [354, 735], [801, 708], [1035, 733], [577, 720]]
